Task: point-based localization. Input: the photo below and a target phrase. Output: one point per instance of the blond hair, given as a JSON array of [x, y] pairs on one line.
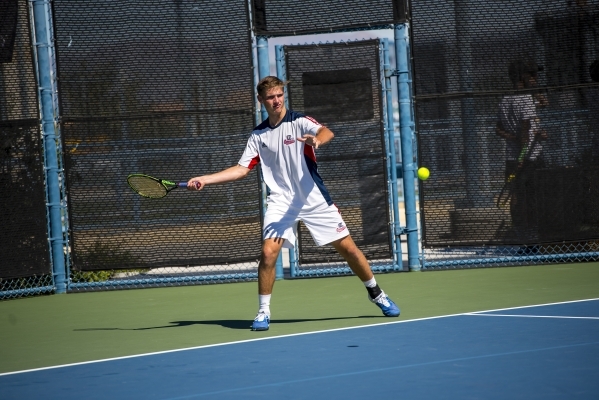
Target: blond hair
[[268, 83]]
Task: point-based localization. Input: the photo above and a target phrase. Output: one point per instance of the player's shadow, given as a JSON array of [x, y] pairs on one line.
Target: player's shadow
[[225, 323]]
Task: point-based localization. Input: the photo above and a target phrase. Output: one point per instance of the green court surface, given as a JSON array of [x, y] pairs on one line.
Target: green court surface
[[61, 329]]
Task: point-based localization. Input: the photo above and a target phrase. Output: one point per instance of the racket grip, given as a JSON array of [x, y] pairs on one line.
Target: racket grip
[[182, 184]]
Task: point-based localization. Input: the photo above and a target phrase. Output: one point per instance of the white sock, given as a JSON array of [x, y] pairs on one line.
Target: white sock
[[370, 283], [264, 303]]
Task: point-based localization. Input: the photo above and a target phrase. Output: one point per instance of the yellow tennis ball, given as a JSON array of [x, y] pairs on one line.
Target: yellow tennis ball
[[423, 173]]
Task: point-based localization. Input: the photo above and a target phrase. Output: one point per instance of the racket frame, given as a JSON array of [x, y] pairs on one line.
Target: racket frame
[[166, 184]]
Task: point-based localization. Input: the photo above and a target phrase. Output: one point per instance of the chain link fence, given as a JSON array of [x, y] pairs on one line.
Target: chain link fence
[[507, 122], [166, 89]]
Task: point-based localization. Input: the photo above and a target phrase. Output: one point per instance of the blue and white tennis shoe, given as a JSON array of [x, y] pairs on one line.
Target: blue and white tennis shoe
[[261, 322], [386, 305]]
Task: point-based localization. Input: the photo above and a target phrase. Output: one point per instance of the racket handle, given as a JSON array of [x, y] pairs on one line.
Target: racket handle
[[182, 184]]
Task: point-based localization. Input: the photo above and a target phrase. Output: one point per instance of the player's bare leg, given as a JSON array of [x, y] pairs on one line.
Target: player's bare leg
[[266, 280], [355, 258], [359, 265], [266, 268]]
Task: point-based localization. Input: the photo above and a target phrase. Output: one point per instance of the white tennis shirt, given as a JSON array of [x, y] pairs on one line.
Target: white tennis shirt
[[288, 166]]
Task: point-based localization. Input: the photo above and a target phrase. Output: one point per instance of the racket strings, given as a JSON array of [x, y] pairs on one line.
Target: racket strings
[[147, 187]]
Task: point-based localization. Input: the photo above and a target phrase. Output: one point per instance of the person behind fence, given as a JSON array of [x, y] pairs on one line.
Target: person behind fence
[[518, 123], [593, 104], [285, 146]]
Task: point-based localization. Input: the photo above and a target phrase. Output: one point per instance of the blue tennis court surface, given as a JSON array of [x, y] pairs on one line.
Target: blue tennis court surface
[[540, 352]]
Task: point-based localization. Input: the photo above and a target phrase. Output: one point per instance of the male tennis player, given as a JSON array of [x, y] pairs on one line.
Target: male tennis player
[[518, 123], [285, 145]]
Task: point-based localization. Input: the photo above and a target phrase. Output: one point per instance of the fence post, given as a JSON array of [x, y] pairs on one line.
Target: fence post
[[395, 224], [281, 68], [282, 75], [263, 72], [406, 127], [263, 63], [43, 48]]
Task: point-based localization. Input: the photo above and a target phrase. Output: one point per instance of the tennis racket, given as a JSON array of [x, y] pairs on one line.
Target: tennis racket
[[508, 188], [150, 187]]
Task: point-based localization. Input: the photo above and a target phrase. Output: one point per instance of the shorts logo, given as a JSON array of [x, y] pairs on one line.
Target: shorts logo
[[341, 227], [289, 140]]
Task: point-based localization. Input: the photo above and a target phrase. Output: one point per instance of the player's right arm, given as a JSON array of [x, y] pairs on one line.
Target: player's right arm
[[231, 174]]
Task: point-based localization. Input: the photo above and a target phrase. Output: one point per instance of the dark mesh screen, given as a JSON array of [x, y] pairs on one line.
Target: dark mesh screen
[[493, 181], [352, 165], [351, 89], [283, 17], [165, 89], [23, 237]]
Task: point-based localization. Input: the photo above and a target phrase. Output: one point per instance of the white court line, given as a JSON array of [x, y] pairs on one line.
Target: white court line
[[534, 305], [528, 316], [283, 336]]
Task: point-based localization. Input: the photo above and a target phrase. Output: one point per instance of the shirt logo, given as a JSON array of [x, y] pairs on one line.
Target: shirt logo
[[264, 144], [289, 140], [341, 227]]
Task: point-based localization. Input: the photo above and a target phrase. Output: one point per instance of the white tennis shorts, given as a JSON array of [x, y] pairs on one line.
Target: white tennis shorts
[[325, 225]]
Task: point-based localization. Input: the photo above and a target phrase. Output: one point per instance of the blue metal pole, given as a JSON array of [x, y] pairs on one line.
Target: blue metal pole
[[43, 49], [406, 127], [281, 70], [395, 224], [263, 63], [282, 74], [293, 264], [263, 72], [383, 48]]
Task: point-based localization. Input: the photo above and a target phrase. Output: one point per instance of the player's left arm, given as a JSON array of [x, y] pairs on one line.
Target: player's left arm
[[322, 137]]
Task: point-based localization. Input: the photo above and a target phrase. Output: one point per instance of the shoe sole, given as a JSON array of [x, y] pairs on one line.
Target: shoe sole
[[386, 314], [391, 313], [259, 329], [263, 328]]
